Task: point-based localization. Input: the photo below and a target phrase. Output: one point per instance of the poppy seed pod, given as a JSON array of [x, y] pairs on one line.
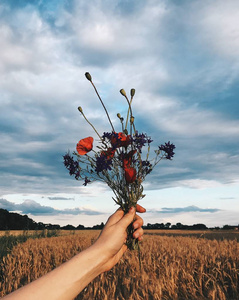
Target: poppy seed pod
[[80, 109], [88, 76], [122, 92], [132, 92]]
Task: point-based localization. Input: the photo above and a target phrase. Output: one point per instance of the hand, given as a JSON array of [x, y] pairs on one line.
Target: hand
[[113, 236]]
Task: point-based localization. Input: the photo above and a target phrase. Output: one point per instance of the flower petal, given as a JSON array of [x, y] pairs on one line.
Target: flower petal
[[85, 145], [130, 174]]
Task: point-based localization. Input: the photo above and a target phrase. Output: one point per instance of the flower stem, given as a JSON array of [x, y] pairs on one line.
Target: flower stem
[[91, 124], [130, 109], [103, 105]]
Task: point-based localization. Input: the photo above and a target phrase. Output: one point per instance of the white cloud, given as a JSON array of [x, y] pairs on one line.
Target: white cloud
[[219, 23], [175, 55], [200, 183]]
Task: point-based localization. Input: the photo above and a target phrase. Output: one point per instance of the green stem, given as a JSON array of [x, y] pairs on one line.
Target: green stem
[[91, 125], [126, 123], [103, 105]]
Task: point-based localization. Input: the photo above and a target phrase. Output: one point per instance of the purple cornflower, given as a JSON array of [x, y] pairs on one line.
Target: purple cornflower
[[117, 140], [71, 165], [140, 139], [86, 181], [147, 167], [107, 135], [168, 149], [103, 163]]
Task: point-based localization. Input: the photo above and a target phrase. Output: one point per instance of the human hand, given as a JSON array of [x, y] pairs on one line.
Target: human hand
[[113, 236]]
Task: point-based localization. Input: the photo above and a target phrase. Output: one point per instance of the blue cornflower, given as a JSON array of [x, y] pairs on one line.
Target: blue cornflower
[[86, 181], [103, 163], [147, 167], [140, 139], [168, 149], [107, 135], [71, 165]]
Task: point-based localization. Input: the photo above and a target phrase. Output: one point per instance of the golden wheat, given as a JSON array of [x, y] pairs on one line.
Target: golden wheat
[[172, 268]]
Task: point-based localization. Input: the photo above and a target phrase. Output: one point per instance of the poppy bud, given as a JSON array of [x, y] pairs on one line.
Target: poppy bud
[[118, 115], [132, 120], [88, 76], [122, 92], [80, 109], [132, 92]]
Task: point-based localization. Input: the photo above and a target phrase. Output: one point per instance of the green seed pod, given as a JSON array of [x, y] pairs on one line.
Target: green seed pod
[[88, 76], [118, 115], [122, 92], [80, 109], [132, 92]]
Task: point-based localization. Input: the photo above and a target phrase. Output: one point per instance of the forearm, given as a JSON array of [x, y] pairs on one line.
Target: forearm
[[66, 281]]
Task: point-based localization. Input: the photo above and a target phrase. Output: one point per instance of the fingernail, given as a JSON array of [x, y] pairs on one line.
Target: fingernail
[[136, 226], [132, 209], [136, 235]]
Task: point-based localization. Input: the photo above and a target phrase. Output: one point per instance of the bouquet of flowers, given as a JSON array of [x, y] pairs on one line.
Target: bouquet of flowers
[[120, 159]]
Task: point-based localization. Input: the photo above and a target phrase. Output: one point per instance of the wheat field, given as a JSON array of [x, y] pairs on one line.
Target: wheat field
[[173, 267]]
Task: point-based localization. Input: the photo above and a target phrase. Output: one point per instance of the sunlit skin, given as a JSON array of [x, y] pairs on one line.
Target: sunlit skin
[[69, 279]]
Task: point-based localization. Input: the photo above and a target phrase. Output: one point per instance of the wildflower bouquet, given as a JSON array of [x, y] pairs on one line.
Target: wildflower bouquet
[[119, 160]]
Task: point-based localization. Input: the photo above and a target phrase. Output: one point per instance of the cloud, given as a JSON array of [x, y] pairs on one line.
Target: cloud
[[36, 209], [219, 24], [61, 198], [184, 93], [191, 208]]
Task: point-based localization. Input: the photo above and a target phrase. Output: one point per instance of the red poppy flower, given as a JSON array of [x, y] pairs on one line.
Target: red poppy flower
[[85, 145], [128, 158], [108, 153], [130, 174], [121, 140]]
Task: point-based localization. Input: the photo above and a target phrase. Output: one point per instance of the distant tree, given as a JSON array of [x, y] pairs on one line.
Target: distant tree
[[80, 227], [41, 226], [149, 226], [228, 227], [167, 225], [14, 221], [179, 225], [53, 226], [199, 226], [68, 227], [99, 226]]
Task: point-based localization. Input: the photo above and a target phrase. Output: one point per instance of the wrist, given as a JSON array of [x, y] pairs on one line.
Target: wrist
[[100, 256]]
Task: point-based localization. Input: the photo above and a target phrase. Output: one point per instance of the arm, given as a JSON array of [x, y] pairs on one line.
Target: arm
[[69, 279]]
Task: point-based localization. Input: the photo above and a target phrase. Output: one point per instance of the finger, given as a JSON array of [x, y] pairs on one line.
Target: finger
[[138, 222], [140, 238], [113, 219], [138, 233], [140, 208], [127, 218]]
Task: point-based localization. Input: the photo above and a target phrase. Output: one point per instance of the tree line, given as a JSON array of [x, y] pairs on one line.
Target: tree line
[[15, 221]]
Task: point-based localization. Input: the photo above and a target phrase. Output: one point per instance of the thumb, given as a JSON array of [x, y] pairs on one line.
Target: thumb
[[127, 218]]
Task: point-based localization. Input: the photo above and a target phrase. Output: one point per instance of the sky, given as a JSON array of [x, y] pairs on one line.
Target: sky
[[182, 57]]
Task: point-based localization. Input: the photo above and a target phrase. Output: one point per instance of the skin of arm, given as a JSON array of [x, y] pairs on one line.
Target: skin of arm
[[69, 279]]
